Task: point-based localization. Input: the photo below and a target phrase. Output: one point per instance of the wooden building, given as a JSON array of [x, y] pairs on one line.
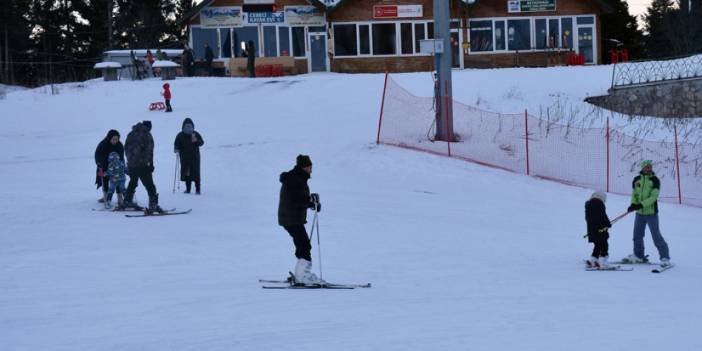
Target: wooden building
[[357, 36]]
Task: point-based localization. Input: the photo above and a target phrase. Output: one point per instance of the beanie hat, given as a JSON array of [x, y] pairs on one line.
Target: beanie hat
[[303, 161], [147, 124], [599, 195], [645, 163]]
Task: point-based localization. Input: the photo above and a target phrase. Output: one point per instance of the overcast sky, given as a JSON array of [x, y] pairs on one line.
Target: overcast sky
[[638, 7]]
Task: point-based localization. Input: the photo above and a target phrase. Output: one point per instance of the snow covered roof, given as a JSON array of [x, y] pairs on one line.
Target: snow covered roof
[[109, 64], [142, 52], [164, 63]]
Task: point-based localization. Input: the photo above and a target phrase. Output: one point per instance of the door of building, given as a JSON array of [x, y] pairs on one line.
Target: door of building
[[586, 39], [318, 52]]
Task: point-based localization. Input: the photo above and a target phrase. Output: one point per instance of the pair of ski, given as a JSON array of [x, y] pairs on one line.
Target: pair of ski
[[616, 266], [659, 269], [291, 284]]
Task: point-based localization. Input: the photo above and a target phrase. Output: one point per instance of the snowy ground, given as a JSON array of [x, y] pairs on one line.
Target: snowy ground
[[461, 257]]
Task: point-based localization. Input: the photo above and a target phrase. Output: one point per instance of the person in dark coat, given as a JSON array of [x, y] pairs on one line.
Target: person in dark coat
[[139, 149], [250, 53], [209, 56], [597, 229], [295, 199], [106, 146], [187, 144], [188, 61]]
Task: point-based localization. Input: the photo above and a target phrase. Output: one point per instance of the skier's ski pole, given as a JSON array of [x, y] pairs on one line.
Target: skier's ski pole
[[175, 172], [315, 224], [612, 222]]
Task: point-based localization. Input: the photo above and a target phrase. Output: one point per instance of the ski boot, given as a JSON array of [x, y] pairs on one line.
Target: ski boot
[[108, 201], [153, 206], [304, 275]]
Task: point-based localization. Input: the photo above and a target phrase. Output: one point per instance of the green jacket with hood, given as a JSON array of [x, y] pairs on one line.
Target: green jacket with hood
[[646, 188]]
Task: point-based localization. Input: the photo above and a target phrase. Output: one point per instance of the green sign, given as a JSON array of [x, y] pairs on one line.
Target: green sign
[[531, 5]]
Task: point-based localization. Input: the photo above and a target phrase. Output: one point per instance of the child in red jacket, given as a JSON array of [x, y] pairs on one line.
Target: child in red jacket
[[167, 96]]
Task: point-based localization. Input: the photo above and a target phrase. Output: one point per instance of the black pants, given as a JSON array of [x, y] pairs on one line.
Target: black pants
[[601, 248], [105, 184], [301, 240], [168, 105], [188, 185], [144, 175]]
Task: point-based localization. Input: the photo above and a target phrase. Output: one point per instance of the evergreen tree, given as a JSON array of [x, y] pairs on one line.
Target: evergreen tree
[[620, 30], [15, 30]]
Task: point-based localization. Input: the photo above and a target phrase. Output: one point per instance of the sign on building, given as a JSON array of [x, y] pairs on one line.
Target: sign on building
[[530, 5], [224, 16], [304, 16], [397, 11], [265, 17]]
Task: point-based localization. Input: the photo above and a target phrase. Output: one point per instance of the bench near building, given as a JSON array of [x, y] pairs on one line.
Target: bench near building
[[355, 36]]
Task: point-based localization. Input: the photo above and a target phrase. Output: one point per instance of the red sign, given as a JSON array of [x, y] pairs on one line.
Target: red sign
[[385, 11]]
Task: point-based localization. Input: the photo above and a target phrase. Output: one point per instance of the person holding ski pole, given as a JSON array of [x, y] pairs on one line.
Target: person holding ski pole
[[295, 199], [644, 200], [597, 229]]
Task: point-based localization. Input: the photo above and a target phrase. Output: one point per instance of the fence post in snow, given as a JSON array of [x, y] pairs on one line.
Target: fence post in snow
[[382, 105], [677, 163], [607, 136], [449, 127], [526, 138]]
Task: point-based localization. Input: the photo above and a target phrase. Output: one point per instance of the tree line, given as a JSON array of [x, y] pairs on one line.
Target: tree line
[[50, 41], [45, 41]]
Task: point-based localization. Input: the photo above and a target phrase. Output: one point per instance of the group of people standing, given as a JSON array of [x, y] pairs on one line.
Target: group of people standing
[[644, 201], [136, 158]]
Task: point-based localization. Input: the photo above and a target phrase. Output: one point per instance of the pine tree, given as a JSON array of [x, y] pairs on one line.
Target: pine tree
[[621, 30], [659, 28]]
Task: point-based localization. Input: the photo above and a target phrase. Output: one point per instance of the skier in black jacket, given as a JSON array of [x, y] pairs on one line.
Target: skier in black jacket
[[187, 144], [597, 225], [106, 146], [139, 148], [295, 199]]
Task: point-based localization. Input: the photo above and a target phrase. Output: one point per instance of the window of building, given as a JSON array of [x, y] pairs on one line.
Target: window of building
[[225, 39], [567, 35], [540, 34], [345, 40], [284, 39], [500, 35], [364, 39], [202, 36], [554, 36], [384, 39], [519, 34], [406, 38], [244, 34], [270, 43], [586, 20], [298, 41], [418, 35], [481, 36], [430, 30]]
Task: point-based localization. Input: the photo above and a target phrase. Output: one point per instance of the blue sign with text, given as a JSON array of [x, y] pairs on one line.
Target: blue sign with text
[[265, 17]]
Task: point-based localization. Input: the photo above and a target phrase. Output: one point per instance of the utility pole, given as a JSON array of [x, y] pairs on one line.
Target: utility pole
[[444, 115]]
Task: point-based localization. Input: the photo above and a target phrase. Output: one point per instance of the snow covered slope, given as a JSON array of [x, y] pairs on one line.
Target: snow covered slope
[[461, 257]]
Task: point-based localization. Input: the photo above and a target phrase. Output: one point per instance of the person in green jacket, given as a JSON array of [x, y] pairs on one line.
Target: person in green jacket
[[644, 200]]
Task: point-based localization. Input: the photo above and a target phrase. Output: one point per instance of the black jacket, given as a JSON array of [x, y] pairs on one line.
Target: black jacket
[[596, 218], [294, 197], [103, 150], [209, 55], [189, 153], [139, 147]]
